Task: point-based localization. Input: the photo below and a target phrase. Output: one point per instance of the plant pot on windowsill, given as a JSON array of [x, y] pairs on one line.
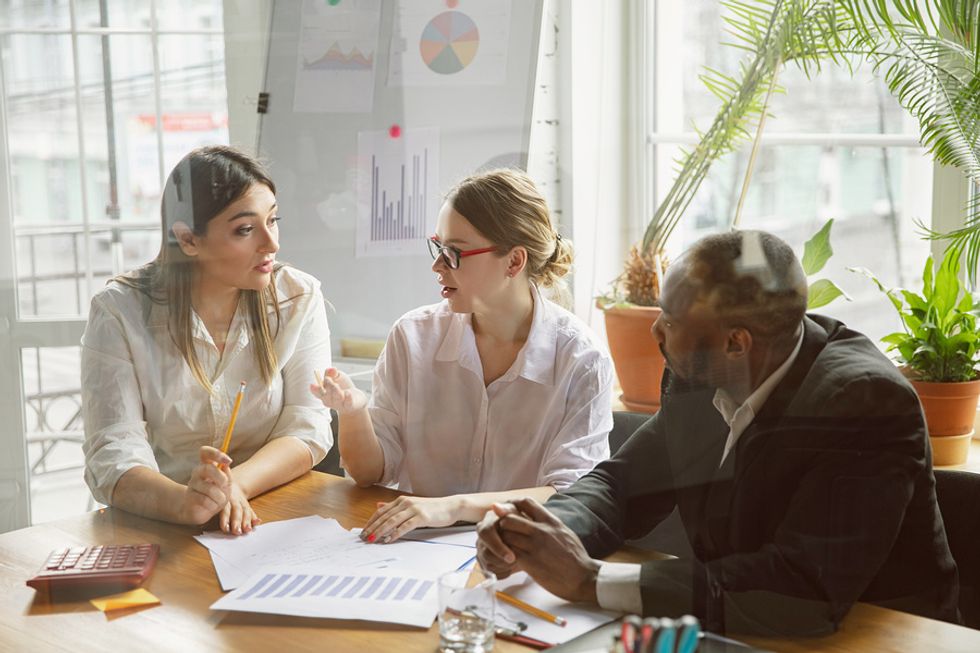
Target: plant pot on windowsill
[[950, 410], [639, 363], [630, 311], [939, 349]]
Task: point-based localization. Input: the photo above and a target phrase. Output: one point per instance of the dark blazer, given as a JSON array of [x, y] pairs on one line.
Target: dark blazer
[[828, 498]]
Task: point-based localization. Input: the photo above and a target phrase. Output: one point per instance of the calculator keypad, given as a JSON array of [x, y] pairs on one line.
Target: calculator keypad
[[126, 564]]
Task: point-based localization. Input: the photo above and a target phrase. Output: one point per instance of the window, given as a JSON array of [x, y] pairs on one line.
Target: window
[[836, 146], [99, 99]]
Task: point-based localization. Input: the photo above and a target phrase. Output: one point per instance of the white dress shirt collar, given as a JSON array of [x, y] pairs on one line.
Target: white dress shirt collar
[[536, 360], [738, 417]]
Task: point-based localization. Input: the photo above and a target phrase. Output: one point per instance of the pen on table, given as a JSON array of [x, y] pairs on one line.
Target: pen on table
[[514, 636], [234, 416], [530, 609]]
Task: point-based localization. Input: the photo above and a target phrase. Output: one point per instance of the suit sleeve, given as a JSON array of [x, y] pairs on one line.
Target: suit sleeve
[[623, 497]]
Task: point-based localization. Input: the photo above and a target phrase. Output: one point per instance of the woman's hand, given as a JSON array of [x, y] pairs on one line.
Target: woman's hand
[[338, 392], [237, 516], [208, 489], [395, 518]]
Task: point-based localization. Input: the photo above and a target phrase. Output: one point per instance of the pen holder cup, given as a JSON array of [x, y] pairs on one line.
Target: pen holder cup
[[466, 612]]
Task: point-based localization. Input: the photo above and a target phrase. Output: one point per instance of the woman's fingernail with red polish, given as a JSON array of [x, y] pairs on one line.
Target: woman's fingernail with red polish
[[372, 537]]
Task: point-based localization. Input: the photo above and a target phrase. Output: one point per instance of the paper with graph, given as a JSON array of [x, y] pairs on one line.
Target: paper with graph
[[395, 596], [336, 56]]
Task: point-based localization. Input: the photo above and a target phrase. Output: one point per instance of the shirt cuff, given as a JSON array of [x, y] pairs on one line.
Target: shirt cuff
[[618, 587]]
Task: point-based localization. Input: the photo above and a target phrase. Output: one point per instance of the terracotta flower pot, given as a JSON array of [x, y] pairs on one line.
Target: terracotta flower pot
[[950, 410], [639, 363]]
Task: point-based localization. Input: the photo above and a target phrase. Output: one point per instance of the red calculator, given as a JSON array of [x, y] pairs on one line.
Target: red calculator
[[123, 565]]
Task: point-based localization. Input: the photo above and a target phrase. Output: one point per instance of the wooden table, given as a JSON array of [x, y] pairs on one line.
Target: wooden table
[[185, 582]]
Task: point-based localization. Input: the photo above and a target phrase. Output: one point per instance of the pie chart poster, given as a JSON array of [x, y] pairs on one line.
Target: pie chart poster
[[449, 43]]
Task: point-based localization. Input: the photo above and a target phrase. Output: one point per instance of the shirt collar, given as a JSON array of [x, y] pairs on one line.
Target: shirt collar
[[725, 405], [536, 360]]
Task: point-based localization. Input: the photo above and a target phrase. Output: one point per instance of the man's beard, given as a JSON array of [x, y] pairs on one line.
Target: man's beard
[[699, 373]]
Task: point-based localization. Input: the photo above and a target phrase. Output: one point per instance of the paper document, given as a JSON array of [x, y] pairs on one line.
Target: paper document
[[315, 541], [337, 592], [455, 535], [581, 618]]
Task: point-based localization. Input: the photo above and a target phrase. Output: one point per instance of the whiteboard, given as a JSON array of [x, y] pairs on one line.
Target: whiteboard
[[332, 141]]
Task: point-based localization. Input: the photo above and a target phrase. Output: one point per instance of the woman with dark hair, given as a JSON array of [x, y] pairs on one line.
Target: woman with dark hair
[[167, 346], [496, 392]]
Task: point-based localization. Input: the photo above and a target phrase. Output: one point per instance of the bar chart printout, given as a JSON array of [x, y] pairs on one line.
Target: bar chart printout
[[338, 592], [397, 191]]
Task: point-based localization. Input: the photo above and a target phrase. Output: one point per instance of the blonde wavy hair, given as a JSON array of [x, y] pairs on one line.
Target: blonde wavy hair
[[505, 206], [199, 188]]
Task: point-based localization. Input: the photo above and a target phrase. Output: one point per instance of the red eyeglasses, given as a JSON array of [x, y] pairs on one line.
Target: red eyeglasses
[[450, 254]]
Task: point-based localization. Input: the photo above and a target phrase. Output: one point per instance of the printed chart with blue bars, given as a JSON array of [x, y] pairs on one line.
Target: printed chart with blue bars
[[391, 595], [379, 588]]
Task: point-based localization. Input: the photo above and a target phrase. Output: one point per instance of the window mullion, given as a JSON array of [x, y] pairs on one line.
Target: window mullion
[[83, 176], [158, 104]]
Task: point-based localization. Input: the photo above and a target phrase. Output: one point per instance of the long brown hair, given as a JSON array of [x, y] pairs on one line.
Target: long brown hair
[[200, 187]]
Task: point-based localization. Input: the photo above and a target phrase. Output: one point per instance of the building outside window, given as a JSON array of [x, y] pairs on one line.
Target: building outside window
[[99, 99]]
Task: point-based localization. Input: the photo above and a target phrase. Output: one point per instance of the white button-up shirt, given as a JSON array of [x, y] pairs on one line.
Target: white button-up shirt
[[544, 422], [142, 405]]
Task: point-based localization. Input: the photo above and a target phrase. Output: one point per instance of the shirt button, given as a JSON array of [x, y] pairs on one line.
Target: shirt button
[[476, 461]]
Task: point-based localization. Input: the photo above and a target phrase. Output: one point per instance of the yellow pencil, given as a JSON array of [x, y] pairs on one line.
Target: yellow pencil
[[319, 378], [530, 609], [234, 416]]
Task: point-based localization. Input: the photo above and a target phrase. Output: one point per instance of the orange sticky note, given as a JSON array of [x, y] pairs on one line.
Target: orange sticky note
[[131, 599]]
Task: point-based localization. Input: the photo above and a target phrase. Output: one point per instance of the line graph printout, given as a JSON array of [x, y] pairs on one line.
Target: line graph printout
[[397, 191], [434, 44], [402, 597], [335, 58]]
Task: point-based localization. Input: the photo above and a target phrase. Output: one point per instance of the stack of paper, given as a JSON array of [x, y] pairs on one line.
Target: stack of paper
[[312, 567], [395, 596], [314, 540], [581, 618]]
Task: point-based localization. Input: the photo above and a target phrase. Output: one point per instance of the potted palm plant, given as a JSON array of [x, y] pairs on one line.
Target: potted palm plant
[[926, 52], [939, 350]]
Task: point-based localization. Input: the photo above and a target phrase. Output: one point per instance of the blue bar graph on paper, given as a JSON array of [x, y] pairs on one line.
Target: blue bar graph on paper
[[389, 588], [374, 588], [327, 583], [421, 591], [406, 588], [400, 216], [341, 585], [276, 584], [309, 585], [356, 587], [255, 588], [289, 588]]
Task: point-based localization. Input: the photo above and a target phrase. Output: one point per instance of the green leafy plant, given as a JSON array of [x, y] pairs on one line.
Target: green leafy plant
[[940, 342], [816, 252], [927, 52]]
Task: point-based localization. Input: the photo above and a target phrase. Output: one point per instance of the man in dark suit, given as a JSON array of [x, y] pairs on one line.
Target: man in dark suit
[[793, 449]]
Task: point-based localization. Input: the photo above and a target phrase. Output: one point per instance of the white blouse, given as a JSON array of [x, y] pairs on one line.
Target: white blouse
[[143, 406], [544, 422]]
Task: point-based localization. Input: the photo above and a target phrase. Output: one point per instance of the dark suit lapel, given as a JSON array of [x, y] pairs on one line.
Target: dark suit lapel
[[718, 506]]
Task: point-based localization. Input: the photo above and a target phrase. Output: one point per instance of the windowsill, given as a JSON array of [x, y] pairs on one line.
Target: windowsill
[[972, 463]]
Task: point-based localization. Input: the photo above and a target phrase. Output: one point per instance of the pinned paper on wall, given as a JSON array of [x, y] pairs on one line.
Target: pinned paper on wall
[[431, 46], [397, 191], [336, 56]]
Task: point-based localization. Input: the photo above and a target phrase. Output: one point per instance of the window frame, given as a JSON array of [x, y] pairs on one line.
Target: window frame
[[19, 332]]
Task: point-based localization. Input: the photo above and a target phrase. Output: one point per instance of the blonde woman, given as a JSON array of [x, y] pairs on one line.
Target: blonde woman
[[167, 346], [494, 393]]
